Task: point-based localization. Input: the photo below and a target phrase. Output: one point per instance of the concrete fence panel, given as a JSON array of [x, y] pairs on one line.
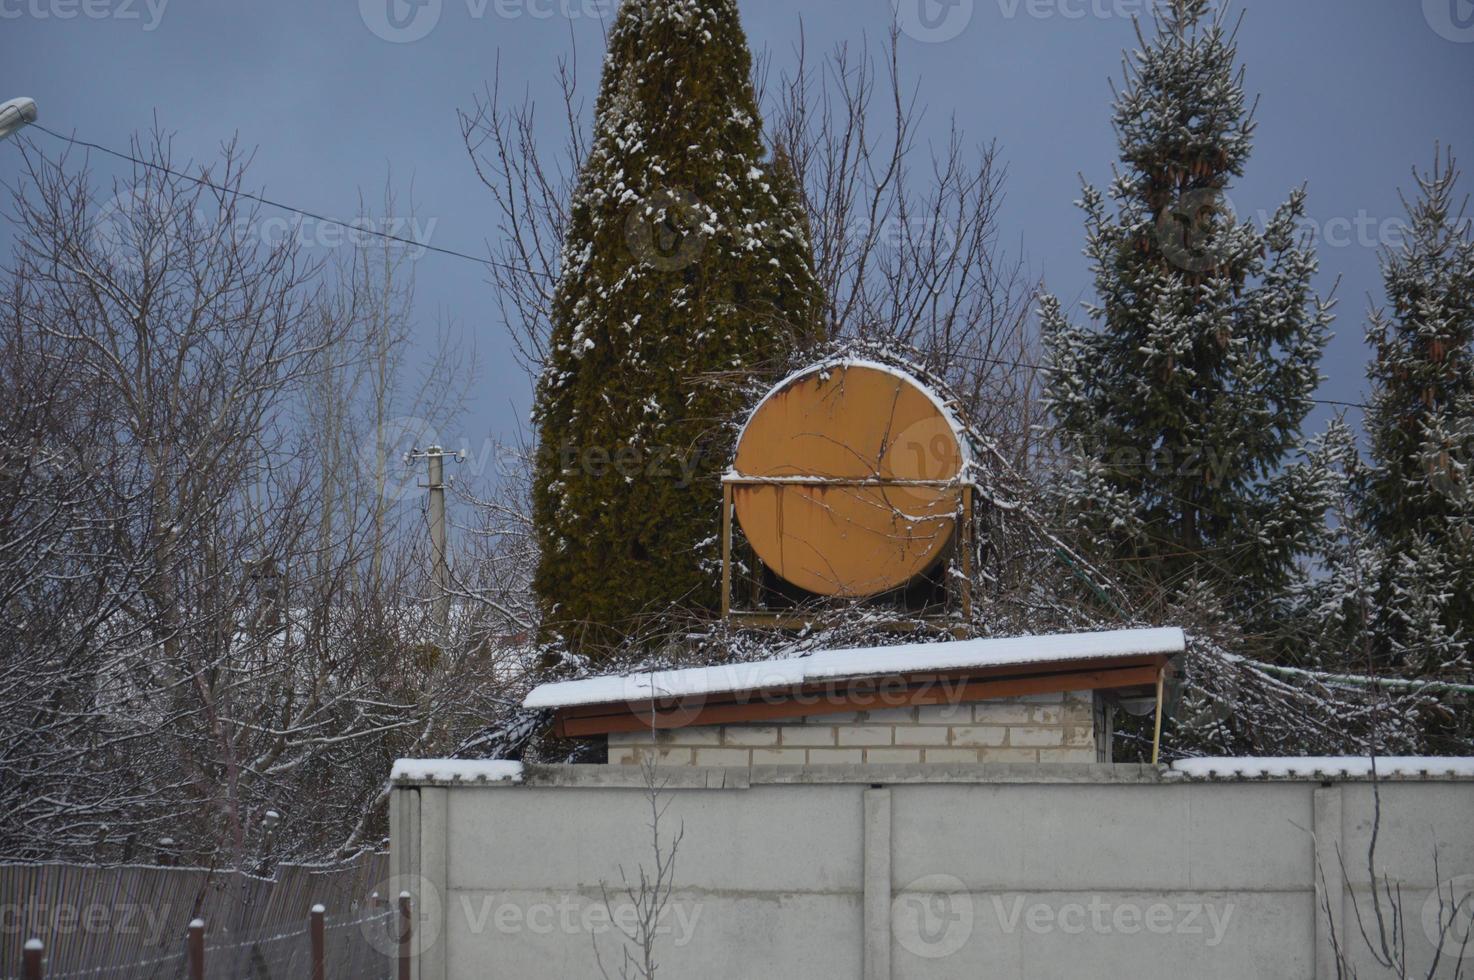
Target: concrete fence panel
[[882, 872]]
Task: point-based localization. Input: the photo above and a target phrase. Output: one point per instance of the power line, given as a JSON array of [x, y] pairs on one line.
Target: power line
[[286, 207], [1003, 362]]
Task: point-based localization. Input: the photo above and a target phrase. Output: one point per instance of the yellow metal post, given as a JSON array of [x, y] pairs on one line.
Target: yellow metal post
[[1157, 732]]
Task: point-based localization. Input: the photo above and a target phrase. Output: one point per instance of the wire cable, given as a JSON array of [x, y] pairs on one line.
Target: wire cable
[[286, 207], [1002, 362]]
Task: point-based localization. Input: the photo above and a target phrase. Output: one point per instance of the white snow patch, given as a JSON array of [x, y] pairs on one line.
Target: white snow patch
[[1319, 765], [857, 663], [456, 770]]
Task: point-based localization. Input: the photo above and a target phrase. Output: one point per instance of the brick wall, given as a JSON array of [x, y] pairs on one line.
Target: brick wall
[[1040, 728]]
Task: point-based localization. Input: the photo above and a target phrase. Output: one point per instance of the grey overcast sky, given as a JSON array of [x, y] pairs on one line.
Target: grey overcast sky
[[335, 96]]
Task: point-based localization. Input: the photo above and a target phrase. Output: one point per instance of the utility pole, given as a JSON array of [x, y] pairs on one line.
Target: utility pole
[[434, 458]]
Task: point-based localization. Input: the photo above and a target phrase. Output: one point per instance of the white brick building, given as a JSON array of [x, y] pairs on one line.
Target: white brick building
[[1023, 699]]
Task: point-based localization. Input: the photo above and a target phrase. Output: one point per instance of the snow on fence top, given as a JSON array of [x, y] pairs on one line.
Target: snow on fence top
[[835, 665], [456, 770], [1309, 767]]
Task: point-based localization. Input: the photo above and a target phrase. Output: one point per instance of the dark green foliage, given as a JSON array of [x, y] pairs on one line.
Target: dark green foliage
[[1416, 498], [1180, 405], [685, 274]]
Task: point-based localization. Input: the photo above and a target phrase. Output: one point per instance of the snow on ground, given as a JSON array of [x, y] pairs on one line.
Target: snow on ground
[[452, 770], [1289, 767], [856, 663]]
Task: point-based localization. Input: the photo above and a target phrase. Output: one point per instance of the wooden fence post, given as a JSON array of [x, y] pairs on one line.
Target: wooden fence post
[[34, 950], [197, 949], [319, 943], [405, 928]]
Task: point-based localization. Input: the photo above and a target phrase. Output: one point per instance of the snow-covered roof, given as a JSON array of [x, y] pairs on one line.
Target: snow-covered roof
[[456, 770], [834, 665], [1316, 766]]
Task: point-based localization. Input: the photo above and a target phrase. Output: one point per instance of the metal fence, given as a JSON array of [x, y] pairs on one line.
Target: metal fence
[[70, 921]]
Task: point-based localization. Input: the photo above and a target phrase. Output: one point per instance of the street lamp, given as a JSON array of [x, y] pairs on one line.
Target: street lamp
[[15, 114]]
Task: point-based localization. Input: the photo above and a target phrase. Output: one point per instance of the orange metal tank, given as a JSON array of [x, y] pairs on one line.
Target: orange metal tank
[[846, 479]]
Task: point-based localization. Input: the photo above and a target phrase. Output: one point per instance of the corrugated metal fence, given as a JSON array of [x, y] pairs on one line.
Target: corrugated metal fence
[[107, 923]]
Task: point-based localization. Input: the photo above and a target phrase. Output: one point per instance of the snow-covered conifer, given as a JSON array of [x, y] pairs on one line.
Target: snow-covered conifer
[[1417, 496], [685, 272], [1180, 403]]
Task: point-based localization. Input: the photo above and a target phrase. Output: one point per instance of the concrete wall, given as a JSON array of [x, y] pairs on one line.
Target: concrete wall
[[1058, 727], [881, 872]]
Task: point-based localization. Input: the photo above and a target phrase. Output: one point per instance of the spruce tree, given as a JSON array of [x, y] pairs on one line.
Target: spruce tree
[[1417, 498], [686, 272], [1180, 404]]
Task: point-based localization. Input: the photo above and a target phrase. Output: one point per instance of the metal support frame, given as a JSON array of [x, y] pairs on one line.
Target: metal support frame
[[965, 542], [727, 504]]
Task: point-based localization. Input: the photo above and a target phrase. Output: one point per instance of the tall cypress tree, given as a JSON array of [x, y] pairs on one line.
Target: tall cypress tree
[[686, 271], [1180, 404], [1417, 498]]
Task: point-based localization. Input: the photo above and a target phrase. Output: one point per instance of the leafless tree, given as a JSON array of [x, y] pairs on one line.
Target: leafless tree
[[906, 237], [208, 613], [1383, 928], [650, 894], [906, 243], [493, 582], [906, 233]]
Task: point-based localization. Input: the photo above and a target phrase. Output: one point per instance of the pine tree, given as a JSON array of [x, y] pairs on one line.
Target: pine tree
[[1417, 497], [1180, 405], [686, 272]]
